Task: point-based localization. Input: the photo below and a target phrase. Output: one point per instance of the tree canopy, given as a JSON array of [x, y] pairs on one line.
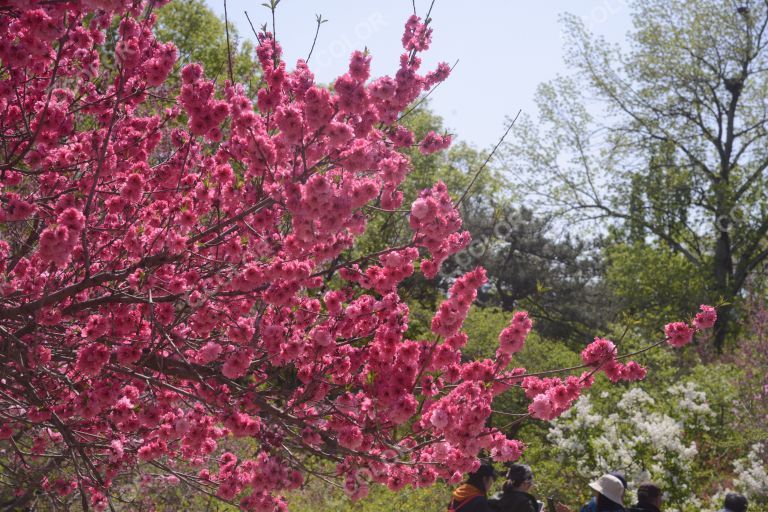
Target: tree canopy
[[679, 153]]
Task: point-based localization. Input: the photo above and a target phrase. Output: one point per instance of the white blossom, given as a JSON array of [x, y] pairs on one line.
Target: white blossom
[[752, 477], [642, 436]]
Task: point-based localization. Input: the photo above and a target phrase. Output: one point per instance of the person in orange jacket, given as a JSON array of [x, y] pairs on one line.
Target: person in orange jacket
[[471, 496]]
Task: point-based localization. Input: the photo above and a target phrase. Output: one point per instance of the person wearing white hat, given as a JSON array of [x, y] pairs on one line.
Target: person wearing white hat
[[609, 494], [591, 505]]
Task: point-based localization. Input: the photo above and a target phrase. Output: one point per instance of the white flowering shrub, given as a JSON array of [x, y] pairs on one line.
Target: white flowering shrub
[[645, 437], [751, 480], [752, 474]]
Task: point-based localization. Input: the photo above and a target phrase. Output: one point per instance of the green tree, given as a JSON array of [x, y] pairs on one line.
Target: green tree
[[201, 36], [652, 284], [681, 156]]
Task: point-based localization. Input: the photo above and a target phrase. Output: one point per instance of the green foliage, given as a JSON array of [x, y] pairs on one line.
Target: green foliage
[[483, 326], [201, 37], [538, 354], [318, 496], [556, 278], [662, 196], [653, 284]]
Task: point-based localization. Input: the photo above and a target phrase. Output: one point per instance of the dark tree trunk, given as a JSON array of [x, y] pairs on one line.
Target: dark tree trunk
[[723, 270], [721, 326]]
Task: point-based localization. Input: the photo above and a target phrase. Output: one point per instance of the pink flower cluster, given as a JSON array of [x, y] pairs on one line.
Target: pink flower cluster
[[436, 222], [550, 397], [205, 112], [598, 352], [705, 318], [602, 354], [512, 337], [679, 334], [417, 35], [180, 253], [432, 143], [452, 312], [461, 414], [59, 240]]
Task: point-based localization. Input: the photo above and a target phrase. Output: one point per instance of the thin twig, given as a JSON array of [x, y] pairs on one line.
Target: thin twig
[[273, 6], [320, 21], [429, 11], [229, 49], [255, 34], [490, 155]]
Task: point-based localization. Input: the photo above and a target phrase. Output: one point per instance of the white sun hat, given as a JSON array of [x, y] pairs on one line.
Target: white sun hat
[[610, 487]]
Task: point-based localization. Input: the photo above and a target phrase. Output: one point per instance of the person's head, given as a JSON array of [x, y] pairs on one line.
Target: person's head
[[609, 488], [735, 502], [620, 476], [483, 477], [519, 478], [649, 493]]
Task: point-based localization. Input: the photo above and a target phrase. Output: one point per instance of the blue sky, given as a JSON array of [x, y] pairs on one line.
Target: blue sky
[[505, 48]]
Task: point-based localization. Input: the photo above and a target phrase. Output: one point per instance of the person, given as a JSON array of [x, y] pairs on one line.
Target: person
[[648, 498], [471, 495], [596, 503], [734, 503], [516, 496], [608, 495]]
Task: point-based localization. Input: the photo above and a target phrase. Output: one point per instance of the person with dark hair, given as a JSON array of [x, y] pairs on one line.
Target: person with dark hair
[[516, 496], [648, 498], [735, 503], [608, 494], [471, 495], [602, 503]]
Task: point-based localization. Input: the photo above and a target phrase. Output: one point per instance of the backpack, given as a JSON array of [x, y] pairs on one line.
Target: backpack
[[453, 508]]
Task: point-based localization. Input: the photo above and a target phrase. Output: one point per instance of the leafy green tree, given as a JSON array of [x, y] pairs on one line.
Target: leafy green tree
[[680, 158], [201, 36], [652, 284], [316, 496]]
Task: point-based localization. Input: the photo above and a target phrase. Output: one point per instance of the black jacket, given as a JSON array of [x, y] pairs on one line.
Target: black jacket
[[474, 504], [644, 507], [515, 501], [591, 506]]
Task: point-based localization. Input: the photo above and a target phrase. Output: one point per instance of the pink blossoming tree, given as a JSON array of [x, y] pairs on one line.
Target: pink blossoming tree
[[175, 274]]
